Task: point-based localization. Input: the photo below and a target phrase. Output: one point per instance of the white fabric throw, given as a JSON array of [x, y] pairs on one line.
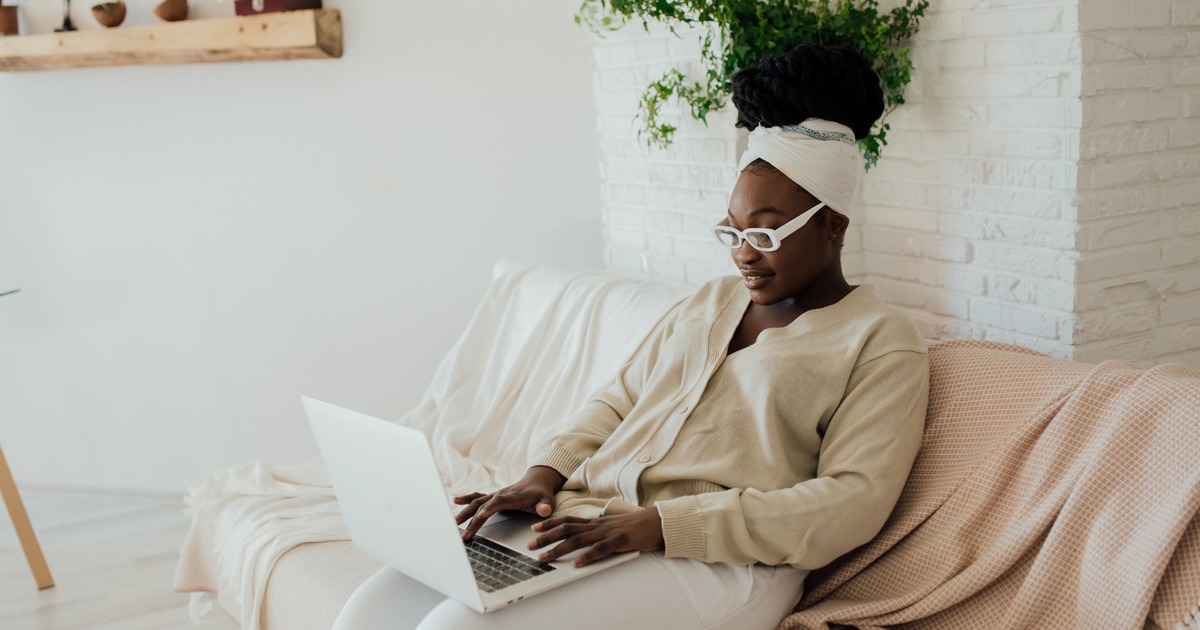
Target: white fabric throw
[[244, 518], [541, 341], [830, 169]]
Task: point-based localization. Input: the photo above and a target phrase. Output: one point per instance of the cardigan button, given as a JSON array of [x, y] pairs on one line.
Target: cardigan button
[[683, 409], [644, 458]]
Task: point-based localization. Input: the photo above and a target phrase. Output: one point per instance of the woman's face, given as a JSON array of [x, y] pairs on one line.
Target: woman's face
[[766, 198]]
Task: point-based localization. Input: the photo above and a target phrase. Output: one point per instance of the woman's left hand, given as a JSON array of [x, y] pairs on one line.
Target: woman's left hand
[[604, 536]]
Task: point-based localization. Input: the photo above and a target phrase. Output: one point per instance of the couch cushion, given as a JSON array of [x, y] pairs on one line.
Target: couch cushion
[[311, 583]]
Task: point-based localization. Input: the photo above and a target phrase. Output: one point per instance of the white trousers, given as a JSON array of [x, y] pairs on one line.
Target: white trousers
[[647, 592]]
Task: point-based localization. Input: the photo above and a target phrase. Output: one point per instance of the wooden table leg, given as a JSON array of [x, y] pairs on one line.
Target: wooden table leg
[[20, 520]]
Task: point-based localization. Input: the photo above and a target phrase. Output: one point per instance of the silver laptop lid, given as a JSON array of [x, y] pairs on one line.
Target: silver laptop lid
[[408, 524]]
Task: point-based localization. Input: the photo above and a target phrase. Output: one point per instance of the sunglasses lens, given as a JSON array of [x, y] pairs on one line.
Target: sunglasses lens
[[728, 237]]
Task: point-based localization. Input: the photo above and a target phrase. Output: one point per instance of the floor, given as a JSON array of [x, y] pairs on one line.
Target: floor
[[112, 558]]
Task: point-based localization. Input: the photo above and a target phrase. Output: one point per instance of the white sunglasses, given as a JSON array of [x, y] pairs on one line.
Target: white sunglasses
[[763, 239]]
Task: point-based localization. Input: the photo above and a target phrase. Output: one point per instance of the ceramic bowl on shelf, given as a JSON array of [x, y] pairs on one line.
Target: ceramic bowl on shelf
[[172, 10], [109, 14]]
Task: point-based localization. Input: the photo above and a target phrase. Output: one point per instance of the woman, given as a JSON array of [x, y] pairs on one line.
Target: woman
[[765, 429]]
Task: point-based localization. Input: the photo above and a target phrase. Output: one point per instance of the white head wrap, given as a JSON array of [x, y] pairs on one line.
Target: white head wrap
[[819, 155]]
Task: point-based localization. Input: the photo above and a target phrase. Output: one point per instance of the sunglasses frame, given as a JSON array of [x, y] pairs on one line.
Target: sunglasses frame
[[775, 235]]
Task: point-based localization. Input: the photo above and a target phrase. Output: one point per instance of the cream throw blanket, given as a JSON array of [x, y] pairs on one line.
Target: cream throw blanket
[[540, 342]]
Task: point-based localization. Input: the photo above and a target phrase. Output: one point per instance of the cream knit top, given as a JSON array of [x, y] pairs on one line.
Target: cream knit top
[[792, 450]]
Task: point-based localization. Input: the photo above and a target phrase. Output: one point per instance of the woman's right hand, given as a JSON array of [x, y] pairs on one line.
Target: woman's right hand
[[533, 493]]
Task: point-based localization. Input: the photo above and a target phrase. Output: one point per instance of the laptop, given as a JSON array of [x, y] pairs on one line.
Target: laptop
[[398, 512]]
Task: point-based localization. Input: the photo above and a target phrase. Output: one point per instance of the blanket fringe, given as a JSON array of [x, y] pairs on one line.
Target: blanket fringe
[[1191, 620]]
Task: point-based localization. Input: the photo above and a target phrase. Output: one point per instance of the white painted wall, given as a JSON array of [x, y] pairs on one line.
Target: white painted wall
[[200, 245]]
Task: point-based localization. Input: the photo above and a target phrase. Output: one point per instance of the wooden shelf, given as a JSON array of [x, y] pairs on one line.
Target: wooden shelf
[[314, 34]]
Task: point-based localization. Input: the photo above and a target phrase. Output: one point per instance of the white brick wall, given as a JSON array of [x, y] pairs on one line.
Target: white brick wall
[[1041, 186], [1139, 183], [986, 163], [659, 204]]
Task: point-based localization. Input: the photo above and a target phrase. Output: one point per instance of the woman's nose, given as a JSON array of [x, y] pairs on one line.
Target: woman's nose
[[745, 254]]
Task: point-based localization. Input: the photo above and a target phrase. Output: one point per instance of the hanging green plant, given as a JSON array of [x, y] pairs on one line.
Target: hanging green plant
[[739, 33]]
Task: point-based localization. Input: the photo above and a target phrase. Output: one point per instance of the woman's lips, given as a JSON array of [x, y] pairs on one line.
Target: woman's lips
[[756, 280]]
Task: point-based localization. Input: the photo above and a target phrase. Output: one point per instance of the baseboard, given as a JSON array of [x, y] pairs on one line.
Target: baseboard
[[152, 495]]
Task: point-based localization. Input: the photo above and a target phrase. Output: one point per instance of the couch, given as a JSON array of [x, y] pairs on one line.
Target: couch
[[1048, 493]]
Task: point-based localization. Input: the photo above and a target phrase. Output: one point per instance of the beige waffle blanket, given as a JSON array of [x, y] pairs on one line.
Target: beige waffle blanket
[[1047, 494]]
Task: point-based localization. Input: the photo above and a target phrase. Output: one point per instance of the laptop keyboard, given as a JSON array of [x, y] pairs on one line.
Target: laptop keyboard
[[497, 566]]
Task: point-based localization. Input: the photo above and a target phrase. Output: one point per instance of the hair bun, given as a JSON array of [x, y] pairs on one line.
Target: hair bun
[[809, 81]]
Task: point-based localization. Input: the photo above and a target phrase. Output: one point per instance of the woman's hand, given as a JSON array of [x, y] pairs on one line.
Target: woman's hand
[[534, 493], [604, 536]]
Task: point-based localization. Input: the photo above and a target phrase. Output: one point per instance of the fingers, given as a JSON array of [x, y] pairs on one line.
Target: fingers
[[482, 508], [485, 507], [557, 529], [576, 533], [551, 523], [475, 500], [587, 537], [479, 520], [599, 538], [598, 551]]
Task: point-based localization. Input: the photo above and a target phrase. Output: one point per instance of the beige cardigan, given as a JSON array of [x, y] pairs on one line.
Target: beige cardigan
[[790, 451]]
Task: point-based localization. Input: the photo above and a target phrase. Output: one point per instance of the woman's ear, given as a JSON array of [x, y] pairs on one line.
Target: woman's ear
[[837, 223]]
